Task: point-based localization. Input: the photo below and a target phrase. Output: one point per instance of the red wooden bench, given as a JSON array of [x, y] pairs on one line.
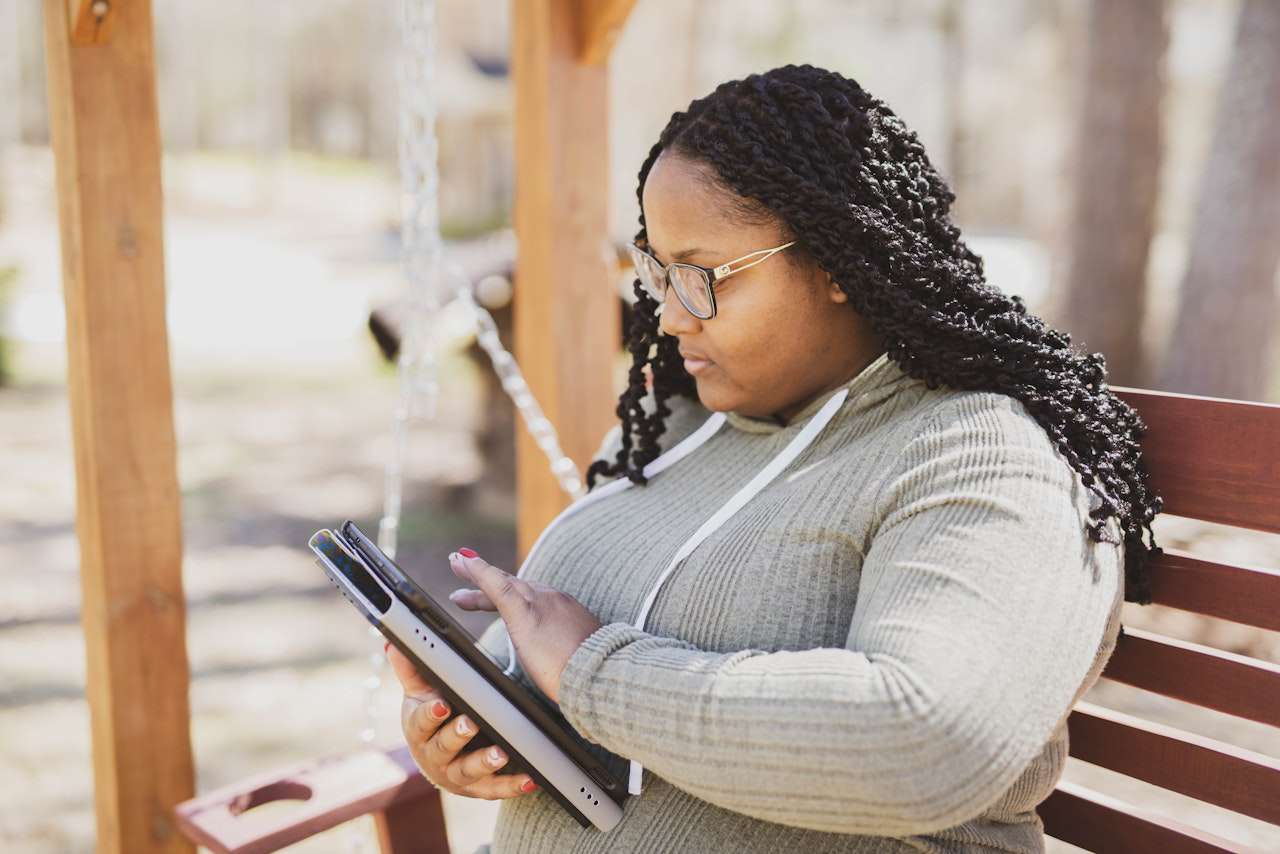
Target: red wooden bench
[[1210, 459], [1219, 461]]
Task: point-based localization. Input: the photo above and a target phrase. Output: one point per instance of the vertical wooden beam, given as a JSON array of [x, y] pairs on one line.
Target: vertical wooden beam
[[106, 140], [598, 23], [91, 20], [565, 307]]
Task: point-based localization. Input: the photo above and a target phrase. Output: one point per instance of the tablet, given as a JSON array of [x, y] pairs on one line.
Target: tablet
[[536, 738]]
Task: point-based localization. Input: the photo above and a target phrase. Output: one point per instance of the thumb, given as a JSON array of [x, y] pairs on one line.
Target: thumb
[[413, 682], [502, 588]]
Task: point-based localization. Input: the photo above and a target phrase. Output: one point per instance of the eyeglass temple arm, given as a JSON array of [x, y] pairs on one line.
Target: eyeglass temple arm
[[725, 269]]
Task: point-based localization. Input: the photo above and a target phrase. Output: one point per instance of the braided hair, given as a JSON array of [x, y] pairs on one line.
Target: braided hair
[[812, 151]]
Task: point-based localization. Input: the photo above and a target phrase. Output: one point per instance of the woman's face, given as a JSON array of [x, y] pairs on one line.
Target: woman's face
[[780, 337]]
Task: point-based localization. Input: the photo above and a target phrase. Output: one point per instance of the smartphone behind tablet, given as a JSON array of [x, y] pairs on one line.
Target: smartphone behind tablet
[[536, 738]]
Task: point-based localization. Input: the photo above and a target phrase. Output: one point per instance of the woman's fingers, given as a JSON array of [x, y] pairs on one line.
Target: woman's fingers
[[442, 749], [475, 773], [410, 679], [471, 774], [435, 745], [497, 786], [423, 709], [465, 770], [472, 600], [421, 718]]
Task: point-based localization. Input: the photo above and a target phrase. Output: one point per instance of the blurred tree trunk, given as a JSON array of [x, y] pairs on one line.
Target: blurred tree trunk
[[1118, 153], [10, 77], [953, 44], [1226, 314], [10, 138]]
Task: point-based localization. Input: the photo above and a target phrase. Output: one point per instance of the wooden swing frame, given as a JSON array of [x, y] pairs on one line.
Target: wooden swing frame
[[105, 129]]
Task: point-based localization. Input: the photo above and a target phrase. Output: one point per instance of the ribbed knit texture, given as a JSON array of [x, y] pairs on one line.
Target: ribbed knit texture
[[878, 652]]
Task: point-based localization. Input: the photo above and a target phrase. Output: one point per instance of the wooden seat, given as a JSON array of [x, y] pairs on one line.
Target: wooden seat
[[1219, 461], [408, 815]]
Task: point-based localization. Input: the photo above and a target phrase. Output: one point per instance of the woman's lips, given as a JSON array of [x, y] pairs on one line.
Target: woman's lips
[[695, 366], [695, 362]]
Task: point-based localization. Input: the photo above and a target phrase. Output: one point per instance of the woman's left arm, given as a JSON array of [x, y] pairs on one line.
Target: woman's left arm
[[981, 610]]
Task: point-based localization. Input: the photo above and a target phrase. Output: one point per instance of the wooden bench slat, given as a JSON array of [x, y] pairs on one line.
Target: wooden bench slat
[[1231, 683], [1203, 768], [412, 826], [1103, 824], [1211, 458], [328, 791], [1242, 594]]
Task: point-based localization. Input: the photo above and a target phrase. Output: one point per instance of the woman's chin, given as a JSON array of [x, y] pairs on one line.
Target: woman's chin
[[713, 397]]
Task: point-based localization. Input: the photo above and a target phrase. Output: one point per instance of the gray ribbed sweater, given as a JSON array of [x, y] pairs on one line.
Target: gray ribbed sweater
[[877, 652]]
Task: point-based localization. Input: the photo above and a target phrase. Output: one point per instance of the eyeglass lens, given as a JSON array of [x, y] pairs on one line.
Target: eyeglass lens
[[690, 284]]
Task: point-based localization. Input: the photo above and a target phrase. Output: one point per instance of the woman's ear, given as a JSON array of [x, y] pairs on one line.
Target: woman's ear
[[834, 291]]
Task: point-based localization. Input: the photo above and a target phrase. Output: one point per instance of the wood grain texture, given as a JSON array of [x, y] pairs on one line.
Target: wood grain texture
[[1106, 825], [1242, 594], [1211, 458], [1199, 767], [1231, 683], [598, 24], [91, 21], [565, 307], [106, 139]]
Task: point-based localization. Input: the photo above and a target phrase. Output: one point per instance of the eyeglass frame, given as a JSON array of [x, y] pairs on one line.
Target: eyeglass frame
[[711, 276]]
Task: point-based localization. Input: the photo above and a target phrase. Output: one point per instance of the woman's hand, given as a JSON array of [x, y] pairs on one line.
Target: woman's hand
[[435, 747], [544, 624]]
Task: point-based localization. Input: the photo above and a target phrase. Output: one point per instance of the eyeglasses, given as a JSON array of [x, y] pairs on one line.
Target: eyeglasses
[[694, 284]]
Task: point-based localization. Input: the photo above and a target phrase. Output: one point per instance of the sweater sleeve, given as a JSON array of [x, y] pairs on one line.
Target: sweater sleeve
[[981, 608]]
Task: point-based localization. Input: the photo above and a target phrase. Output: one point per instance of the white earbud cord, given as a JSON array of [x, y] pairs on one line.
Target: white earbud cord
[[733, 505]]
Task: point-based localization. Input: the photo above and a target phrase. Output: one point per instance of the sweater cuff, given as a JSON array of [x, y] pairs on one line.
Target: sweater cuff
[[577, 681]]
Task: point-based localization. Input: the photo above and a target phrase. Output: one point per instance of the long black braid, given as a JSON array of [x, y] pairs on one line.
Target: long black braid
[[842, 174]]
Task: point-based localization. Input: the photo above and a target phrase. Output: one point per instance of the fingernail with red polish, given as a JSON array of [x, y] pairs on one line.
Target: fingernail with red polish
[[528, 786], [439, 709], [469, 552]]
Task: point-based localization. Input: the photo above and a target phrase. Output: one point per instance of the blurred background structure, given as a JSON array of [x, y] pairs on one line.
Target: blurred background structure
[[1116, 164]]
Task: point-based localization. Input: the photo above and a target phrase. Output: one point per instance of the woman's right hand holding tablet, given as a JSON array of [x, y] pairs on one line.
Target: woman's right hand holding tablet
[[435, 747]]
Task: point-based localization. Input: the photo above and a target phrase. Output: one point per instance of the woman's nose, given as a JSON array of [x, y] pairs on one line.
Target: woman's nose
[[674, 318]]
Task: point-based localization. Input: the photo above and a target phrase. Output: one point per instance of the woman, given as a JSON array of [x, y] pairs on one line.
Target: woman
[[856, 615]]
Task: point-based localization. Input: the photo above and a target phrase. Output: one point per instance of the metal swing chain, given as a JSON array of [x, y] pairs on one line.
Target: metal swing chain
[[418, 362], [513, 382], [422, 256]]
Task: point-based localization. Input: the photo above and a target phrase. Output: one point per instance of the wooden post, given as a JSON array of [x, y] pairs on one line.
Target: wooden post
[[565, 308], [106, 139], [597, 26]]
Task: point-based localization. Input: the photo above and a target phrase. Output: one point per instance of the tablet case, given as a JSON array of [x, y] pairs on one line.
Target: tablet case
[[536, 738]]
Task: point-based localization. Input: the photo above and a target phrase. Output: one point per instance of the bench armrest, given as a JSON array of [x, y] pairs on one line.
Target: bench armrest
[[407, 809]]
